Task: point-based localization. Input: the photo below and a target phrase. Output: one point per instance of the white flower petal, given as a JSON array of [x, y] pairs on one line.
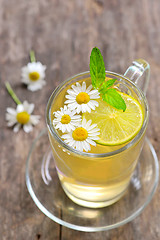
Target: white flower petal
[[10, 117], [79, 108], [34, 119], [83, 87], [58, 126], [84, 122], [69, 101], [20, 108], [16, 127], [34, 87], [78, 85], [95, 138], [56, 121], [57, 114], [84, 108], [11, 123], [76, 117], [90, 141], [30, 108], [87, 108], [89, 88], [93, 132], [73, 106], [87, 124], [72, 127], [86, 146], [11, 111], [94, 103], [70, 97], [71, 93], [93, 126], [75, 89], [91, 105], [65, 136], [79, 146], [72, 143], [63, 128], [27, 128], [94, 92]]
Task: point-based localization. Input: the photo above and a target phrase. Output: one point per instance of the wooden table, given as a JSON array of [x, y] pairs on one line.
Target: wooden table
[[62, 34]]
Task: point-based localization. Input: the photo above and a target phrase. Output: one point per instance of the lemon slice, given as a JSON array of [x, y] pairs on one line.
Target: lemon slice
[[117, 127]]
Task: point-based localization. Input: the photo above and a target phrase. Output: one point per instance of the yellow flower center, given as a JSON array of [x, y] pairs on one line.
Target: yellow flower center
[[80, 134], [23, 117], [65, 119], [82, 97], [34, 76]]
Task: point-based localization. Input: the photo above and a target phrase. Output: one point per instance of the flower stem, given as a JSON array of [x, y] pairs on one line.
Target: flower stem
[[32, 56], [12, 93]]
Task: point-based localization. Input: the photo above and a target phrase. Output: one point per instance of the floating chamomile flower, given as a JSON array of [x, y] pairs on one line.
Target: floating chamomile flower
[[33, 74], [66, 120], [83, 136], [81, 98], [21, 116]]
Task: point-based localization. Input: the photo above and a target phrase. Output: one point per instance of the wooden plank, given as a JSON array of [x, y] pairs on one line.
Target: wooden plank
[[62, 33]]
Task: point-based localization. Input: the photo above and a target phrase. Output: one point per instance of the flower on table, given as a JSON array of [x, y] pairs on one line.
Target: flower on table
[[83, 136], [33, 75], [21, 116], [66, 120], [81, 98]]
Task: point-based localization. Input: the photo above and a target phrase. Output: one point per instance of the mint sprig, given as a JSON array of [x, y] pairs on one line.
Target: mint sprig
[[97, 68], [112, 97], [98, 77], [105, 85]]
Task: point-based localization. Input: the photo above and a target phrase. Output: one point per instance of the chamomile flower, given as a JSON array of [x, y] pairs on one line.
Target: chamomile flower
[[33, 75], [21, 116], [66, 120], [82, 99], [83, 136]]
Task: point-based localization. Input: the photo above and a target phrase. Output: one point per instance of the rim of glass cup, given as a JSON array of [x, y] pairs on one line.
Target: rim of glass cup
[[95, 155]]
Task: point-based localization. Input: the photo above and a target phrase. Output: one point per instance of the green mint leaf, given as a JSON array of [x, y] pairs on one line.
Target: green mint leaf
[[113, 98], [106, 85], [97, 68], [98, 76]]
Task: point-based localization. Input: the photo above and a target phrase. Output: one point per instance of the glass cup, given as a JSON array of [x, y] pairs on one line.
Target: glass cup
[[101, 178]]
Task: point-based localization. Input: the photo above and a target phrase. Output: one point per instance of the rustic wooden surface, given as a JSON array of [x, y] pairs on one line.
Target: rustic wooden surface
[[62, 33]]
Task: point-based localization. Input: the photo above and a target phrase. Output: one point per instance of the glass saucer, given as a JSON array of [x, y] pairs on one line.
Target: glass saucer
[[45, 189]]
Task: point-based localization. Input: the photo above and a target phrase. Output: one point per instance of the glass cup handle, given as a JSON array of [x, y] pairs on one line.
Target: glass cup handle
[[135, 72]]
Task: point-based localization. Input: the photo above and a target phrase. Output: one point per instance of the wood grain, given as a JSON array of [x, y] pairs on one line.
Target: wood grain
[[62, 34]]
